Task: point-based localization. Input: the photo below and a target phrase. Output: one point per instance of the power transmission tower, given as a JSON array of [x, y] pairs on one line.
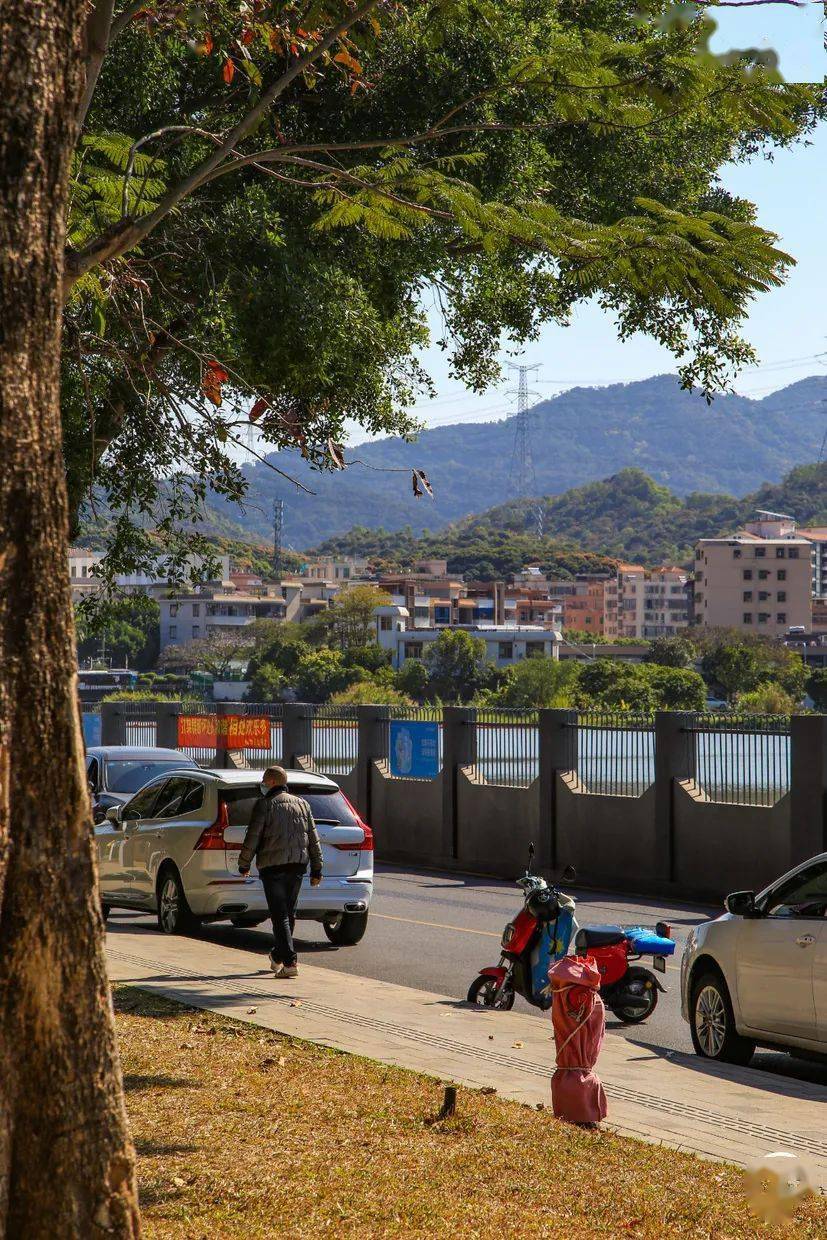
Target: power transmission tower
[[278, 531], [522, 481]]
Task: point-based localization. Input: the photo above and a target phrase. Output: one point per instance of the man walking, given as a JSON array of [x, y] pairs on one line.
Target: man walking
[[282, 837]]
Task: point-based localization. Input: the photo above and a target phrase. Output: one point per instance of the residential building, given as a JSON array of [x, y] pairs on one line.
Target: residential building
[[209, 610], [82, 574], [759, 580], [646, 603], [328, 568], [505, 644]]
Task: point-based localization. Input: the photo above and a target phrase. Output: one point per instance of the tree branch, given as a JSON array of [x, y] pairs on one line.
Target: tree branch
[[128, 232], [96, 44]]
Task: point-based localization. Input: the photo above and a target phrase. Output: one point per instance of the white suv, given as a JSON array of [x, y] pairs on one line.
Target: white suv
[[173, 849], [758, 975]]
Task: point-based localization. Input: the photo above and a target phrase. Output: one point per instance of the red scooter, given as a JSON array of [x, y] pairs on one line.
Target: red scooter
[[545, 929]]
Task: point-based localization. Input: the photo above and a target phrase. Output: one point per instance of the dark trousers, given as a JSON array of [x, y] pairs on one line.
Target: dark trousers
[[282, 884]]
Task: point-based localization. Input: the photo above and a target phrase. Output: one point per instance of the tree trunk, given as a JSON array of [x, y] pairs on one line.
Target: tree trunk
[[66, 1161]]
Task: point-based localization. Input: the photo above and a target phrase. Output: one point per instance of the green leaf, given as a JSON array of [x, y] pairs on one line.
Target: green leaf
[[98, 319]]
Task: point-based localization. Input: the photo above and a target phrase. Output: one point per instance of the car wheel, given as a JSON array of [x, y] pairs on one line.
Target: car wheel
[[712, 1023], [174, 914], [346, 929]]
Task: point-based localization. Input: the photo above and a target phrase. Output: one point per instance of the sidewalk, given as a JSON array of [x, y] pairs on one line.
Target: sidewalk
[[718, 1112]]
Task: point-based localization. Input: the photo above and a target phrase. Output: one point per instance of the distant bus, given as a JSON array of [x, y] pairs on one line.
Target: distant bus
[[92, 686]]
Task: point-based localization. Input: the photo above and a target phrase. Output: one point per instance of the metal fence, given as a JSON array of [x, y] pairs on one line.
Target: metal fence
[[334, 744], [139, 724], [739, 760], [508, 746], [613, 754]]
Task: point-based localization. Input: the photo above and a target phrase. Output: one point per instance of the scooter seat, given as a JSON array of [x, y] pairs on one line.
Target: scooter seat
[[599, 936]]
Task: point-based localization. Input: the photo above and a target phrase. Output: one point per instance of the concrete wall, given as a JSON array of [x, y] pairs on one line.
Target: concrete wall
[[496, 825], [406, 818], [723, 848], [610, 840]]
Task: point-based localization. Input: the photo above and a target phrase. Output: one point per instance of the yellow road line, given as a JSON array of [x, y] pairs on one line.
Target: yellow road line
[[439, 925]]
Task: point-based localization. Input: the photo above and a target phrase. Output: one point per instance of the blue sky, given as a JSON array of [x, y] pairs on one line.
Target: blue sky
[[788, 326]]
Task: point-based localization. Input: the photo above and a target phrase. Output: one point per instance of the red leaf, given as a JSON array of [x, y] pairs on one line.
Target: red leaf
[[214, 376], [228, 71], [247, 37], [258, 409], [207, 43]]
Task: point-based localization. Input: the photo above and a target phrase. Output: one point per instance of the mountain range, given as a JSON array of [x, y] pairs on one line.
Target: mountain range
[[628, 516], [732, 446]]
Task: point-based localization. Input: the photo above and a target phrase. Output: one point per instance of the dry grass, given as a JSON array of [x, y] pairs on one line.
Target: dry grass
[[243, 1133]]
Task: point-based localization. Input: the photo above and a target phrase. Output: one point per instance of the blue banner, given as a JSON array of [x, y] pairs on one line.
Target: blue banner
[[91, 729], [414, 749]]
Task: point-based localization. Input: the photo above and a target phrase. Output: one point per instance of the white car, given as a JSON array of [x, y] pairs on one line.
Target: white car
[[173, 850], [758, 975]]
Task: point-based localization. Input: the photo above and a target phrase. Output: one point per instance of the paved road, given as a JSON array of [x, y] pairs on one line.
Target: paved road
[[433, 931]]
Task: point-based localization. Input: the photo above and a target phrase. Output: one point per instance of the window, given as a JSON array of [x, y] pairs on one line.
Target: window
[[143, 805], [763, 595], [413, 650], [763, 617], [782, 574], [179, 796], [747, 617], [781, 618], [173, 632], [535, 650], [130, 774], [196, 609], [196, 630], [92, 773], [782, 596], [326, 806], [173, 610], [736, 553], [760, 552], [385, 624], [779, 553], [763, 574], [505, 650], [802, 896], [748, 596], [792, 553], [747, 574]]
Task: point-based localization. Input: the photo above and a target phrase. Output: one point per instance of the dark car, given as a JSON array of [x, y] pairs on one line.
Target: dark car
[[117, 772]]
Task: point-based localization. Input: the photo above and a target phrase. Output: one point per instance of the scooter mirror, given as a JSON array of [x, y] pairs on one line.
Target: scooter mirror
[[530, 856], [568, 875]]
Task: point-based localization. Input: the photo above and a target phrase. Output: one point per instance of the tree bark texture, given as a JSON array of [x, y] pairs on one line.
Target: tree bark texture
[[66, 1160]]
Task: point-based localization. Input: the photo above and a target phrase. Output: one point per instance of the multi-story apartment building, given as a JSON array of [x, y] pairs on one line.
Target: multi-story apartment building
[[347, 568], [646, 603], [209, 610], [505, 644], [759, 580]]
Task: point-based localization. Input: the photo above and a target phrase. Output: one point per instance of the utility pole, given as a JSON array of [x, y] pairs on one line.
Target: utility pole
[[278, 531], [522, 481]]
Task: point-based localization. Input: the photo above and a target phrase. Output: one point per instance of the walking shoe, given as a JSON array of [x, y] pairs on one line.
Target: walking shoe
[[276, 966], [289, 970]]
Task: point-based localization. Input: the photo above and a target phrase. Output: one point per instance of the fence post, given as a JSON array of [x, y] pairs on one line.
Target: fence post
[[557, 752], [297, 733], [166, 724], [113, 729], [459, 748], [674, 759], [372, 745], [808, 786]]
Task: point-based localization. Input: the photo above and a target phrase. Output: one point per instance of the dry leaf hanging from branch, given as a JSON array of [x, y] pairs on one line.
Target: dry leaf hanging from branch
[[258, 409], [337, 454], [214, 376]]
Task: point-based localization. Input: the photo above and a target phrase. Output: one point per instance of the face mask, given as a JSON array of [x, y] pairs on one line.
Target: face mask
[[265, 788]]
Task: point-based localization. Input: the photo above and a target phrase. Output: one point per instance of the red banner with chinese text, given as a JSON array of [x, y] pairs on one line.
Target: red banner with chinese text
[[223, 732]]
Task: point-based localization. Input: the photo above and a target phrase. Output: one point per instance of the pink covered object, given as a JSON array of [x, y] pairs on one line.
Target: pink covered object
[[579, 1020]]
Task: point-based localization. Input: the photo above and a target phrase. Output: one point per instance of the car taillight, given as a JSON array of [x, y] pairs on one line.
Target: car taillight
[[212, 837], [367, 840]]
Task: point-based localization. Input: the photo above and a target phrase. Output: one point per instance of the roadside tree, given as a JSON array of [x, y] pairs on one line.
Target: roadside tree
[[670, 652], [457, 666], [538, 682], [817, 688]]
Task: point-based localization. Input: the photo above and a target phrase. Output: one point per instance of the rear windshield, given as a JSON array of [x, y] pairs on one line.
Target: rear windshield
[[129, 776], [325, 805]]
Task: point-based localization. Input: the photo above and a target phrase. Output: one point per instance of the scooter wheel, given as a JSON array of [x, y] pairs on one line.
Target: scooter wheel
[[484, 992], [643, 985]]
